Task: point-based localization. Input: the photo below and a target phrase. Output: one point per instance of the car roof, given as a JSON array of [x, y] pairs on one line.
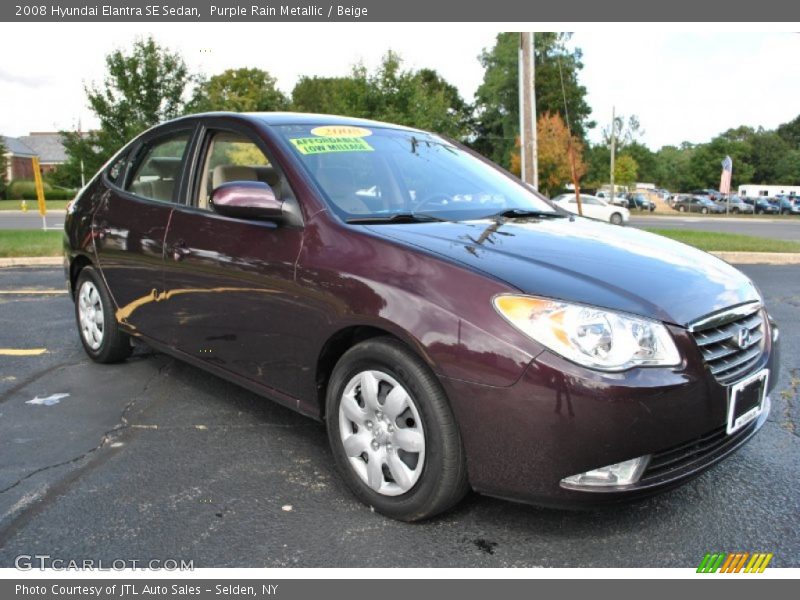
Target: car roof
[[297, 118]]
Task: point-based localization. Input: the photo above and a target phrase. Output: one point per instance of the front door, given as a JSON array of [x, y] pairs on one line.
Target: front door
[[130, 225], [229, 283]]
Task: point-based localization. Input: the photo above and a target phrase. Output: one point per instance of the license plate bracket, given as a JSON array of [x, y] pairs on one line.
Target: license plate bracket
[[746, 400]]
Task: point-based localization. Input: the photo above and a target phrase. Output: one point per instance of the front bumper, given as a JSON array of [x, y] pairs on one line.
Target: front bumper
[[560, 419]]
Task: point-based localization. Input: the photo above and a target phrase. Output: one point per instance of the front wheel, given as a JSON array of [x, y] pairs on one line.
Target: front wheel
[[704, 210], [681, 209], [393, 435], [101, 336], [616, 219]]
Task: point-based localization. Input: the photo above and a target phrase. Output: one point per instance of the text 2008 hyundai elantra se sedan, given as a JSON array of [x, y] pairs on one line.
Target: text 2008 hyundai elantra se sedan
[[453, 328]]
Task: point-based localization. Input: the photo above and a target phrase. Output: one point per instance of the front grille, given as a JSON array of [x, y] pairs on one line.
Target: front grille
[[678, 457], [718, 339]]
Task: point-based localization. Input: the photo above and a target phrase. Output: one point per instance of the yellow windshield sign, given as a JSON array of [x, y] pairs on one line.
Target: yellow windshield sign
[[341, 131], [326, 145]]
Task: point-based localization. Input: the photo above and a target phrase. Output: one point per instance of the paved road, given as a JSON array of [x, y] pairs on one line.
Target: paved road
[[784, 228], [156, 459], [12, 219]]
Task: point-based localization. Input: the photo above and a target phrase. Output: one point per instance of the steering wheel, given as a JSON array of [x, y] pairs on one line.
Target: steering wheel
[[429, 199]]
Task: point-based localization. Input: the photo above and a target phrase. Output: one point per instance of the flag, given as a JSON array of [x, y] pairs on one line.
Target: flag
[[725, 179]]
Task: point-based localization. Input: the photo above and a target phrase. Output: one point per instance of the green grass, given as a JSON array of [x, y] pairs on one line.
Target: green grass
[[51, 205], [21, 242], [712, 241]]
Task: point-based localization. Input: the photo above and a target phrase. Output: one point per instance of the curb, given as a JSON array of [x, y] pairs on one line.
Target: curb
[[759, 258], [32, 261]]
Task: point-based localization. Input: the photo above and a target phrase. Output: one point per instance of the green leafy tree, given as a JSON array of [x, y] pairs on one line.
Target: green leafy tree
[[497, 98], [645, 160], [239, 90], [625, 170], [416, 98], [767, 148], [787, 169], [142, 88], [790, 133], [3, 168], [672, 168]]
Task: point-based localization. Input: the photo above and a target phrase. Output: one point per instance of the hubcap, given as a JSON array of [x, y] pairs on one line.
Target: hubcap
[[381, 432], [90, 315]]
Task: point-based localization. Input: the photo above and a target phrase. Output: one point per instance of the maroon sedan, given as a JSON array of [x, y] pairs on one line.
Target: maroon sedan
[[453, 328]]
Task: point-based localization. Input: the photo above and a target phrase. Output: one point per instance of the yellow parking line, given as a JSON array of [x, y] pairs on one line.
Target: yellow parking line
[[22, 351], [25, 292]]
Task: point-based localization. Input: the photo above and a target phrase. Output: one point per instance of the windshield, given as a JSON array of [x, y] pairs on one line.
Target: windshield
[[382, 172]]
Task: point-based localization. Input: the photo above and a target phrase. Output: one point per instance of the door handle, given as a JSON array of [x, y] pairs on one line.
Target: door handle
[[180, 250]]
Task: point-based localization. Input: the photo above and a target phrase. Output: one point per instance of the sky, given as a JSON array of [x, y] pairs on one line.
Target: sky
[[683, 86]]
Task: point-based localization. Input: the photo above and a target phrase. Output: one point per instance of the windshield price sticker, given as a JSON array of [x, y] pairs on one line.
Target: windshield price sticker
[[341, 131], [328, 145]]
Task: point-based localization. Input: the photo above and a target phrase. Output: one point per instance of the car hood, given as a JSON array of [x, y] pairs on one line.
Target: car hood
[[587, 262]]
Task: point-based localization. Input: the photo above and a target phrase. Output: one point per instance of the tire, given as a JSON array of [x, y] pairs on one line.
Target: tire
[[735, 211], [434, 472], [615, 219], [98, 329], [681, 209], [704, 211]]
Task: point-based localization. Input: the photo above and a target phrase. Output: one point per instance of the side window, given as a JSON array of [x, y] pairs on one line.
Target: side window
[[117, 169], [232, 157], [157, 172]]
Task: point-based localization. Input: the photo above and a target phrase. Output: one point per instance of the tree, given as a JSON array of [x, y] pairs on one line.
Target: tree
[[416, 98], [142, 88], [497, 98], [626, 131], [239, 90], [646, 162], [625, 170], [790, 132], [787, 170], [767, 148], [555, 169], [3, 168]]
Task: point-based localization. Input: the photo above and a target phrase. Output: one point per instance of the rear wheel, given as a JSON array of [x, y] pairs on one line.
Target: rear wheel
[[393, 435], [681, 209], [101, 336], [704, 210]]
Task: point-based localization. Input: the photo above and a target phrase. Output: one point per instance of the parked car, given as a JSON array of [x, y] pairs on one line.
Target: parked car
[[594, 208], [699, 204], [451, 327], [762, 206], [788, 205], [618, 199], [640, 202], [708, 192], [735, 205]]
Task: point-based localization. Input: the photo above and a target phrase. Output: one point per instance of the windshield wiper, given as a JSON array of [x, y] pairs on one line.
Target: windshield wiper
[[522, 213], [395, 218]]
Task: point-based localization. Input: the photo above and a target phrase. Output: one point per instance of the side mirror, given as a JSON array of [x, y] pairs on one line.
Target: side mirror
[[247, 200]]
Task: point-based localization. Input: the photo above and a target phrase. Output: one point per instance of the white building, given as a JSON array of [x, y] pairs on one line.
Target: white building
[[754, 190]]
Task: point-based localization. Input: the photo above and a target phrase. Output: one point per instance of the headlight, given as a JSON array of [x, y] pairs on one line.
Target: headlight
[[594, 337]]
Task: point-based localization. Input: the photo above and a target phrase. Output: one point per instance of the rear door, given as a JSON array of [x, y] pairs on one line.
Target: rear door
[[230, 287], [130, 224]]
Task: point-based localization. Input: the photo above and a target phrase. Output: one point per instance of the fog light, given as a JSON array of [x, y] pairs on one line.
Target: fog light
[[623, 473]]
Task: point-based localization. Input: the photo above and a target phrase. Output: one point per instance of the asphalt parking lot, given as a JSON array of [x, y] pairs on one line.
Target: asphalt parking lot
[[154, 459]]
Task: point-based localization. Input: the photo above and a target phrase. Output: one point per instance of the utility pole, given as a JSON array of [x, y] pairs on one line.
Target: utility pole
[[613, 147], [527, 111]]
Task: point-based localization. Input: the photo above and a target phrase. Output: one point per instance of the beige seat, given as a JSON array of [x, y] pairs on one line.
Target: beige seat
[[228, 173]]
